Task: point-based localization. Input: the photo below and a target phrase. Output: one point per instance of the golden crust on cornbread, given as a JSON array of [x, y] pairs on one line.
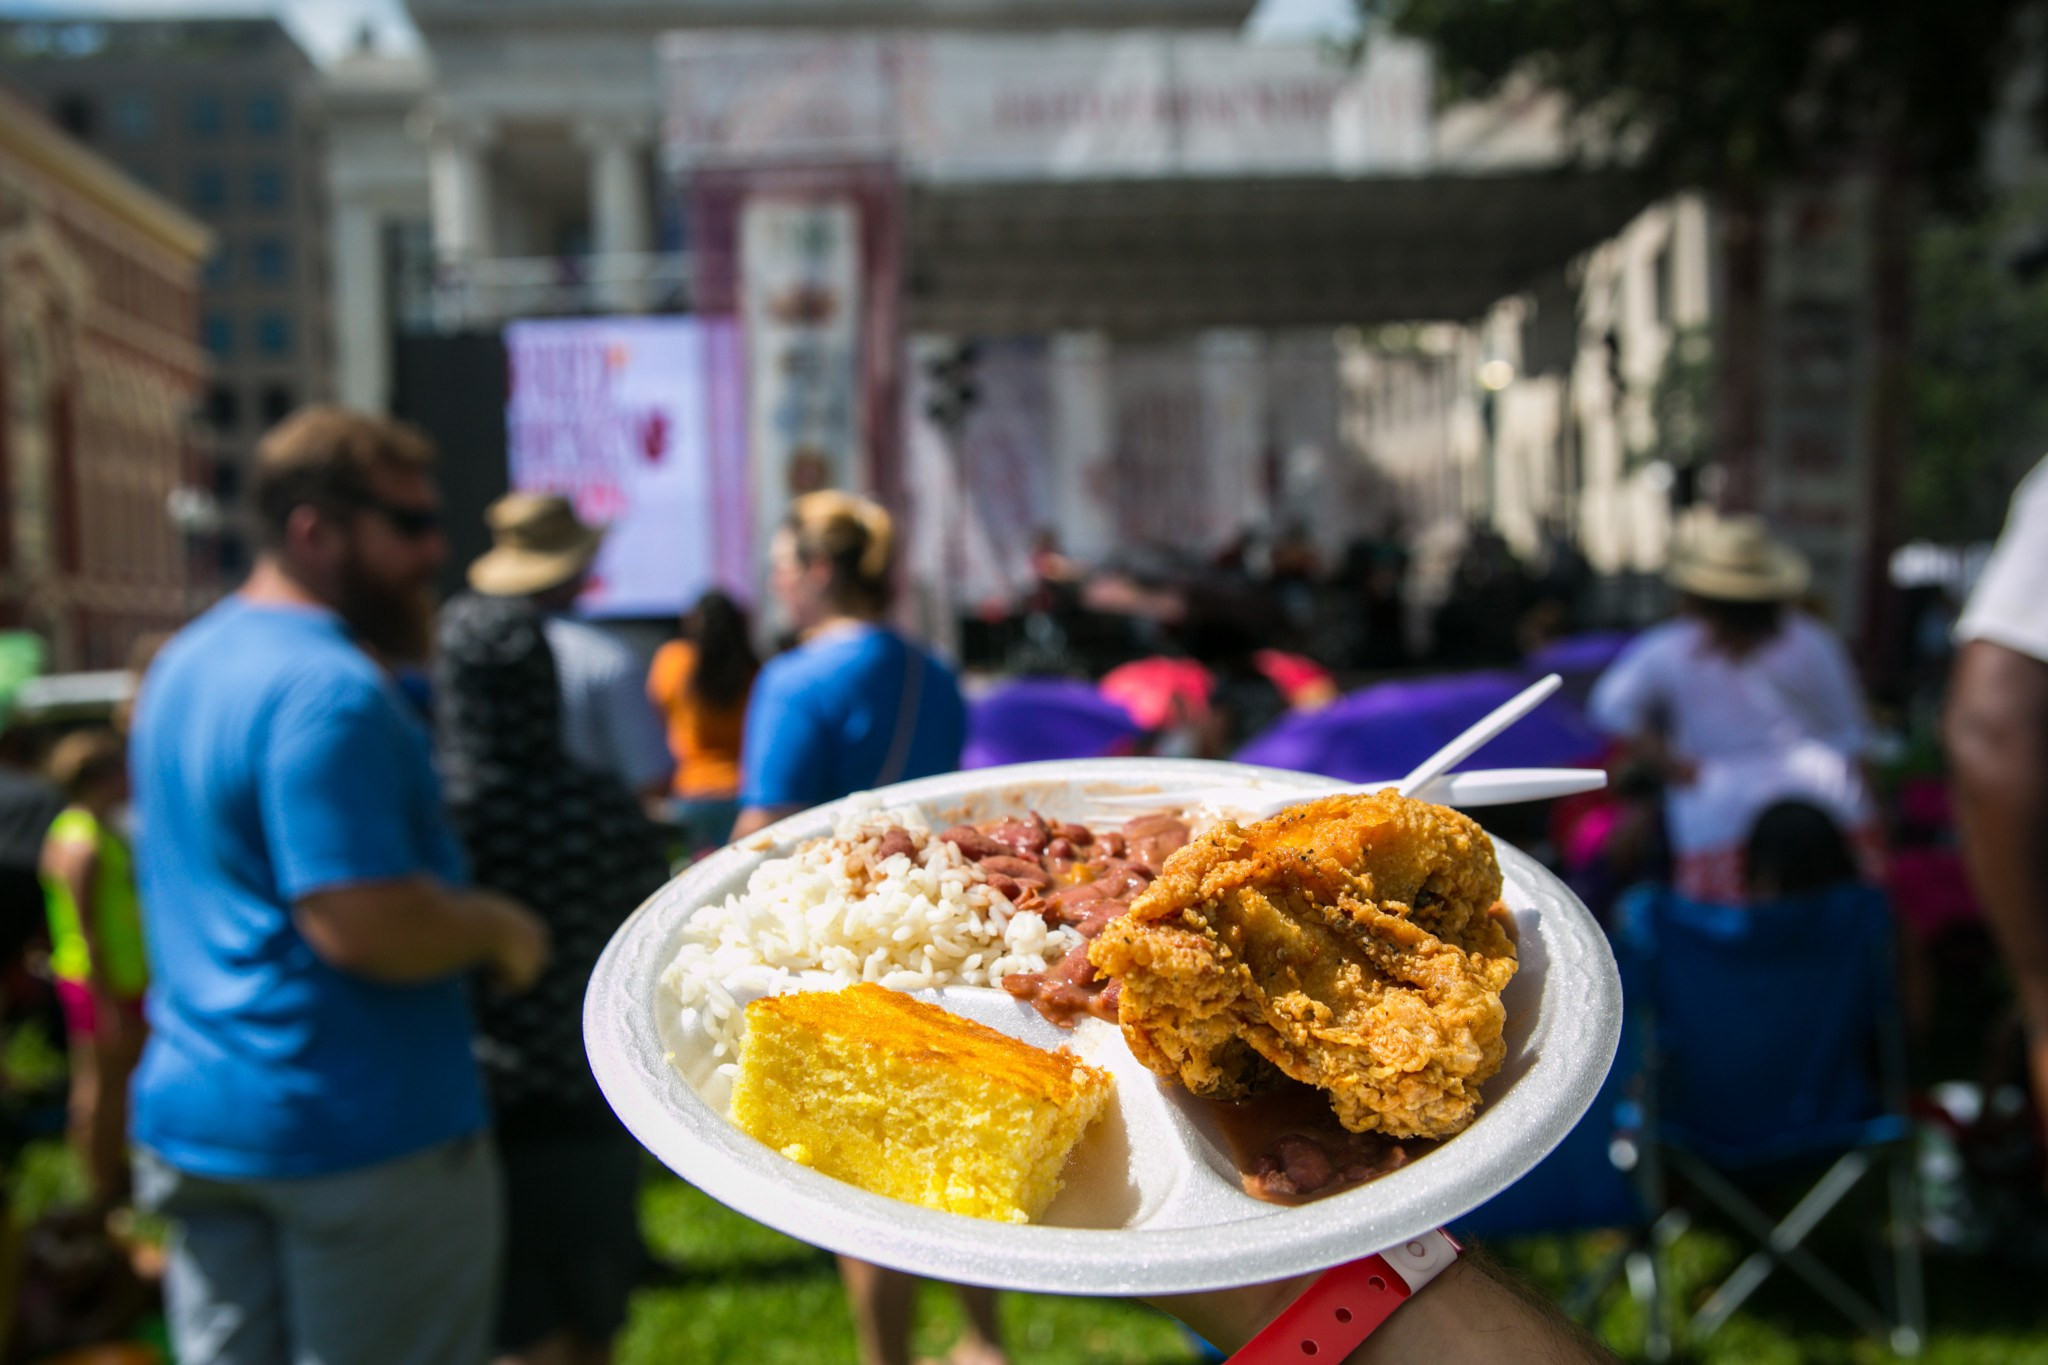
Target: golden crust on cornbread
[[904, 1099]]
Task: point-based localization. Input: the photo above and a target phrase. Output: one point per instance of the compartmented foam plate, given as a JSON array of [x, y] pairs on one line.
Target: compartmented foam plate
[[1153, 1202]]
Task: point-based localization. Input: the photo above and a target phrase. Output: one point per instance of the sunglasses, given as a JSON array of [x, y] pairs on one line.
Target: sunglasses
[[413, 523]]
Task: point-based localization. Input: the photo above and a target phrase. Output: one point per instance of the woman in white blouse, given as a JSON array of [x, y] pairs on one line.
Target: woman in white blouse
[[1744, 701]]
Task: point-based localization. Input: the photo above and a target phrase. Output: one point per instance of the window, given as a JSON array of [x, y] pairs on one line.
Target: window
[[223, 408], [76, 114], [206, 116], [81, 40], [265, 114], [266, 188], [219, 333], [274, 334], [209, 188], [217, 269], [270, 261], [31, 40], [278, 402], [134, 117]]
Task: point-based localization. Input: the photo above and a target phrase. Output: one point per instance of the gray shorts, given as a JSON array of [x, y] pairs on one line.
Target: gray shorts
[[393, 1264]]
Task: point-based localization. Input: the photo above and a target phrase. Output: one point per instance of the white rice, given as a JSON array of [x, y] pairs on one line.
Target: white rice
[[833, 913]]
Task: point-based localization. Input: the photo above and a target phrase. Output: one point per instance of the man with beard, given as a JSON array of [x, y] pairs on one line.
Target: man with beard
[[308, 1113]]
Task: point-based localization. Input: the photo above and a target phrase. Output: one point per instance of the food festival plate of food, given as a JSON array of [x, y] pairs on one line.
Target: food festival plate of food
[[991, 1028]]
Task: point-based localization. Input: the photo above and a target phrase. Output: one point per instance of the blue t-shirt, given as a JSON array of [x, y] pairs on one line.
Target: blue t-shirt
[[272, 758], [823, 717]]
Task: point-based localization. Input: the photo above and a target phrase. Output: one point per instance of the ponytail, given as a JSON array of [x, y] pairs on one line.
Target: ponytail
[[856, 537]]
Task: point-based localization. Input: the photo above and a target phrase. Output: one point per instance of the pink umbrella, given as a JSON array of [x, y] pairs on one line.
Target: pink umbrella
[[1160, 692], [1304, 683]]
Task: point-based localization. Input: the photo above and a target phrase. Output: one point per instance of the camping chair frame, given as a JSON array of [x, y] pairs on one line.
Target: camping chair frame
[[1780, 1242], [1639, 1260]]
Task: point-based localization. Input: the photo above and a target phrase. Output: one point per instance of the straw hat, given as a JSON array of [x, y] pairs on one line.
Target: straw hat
[[537, 543], [1734, 559]]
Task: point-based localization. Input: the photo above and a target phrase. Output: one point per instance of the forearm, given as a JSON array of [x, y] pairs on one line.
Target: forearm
[[1476, 1313], [416, 931], [754, 819], [1472, 1314], [653, 799]]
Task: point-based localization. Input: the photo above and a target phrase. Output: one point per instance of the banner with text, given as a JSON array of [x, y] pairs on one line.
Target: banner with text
[[620, 416]]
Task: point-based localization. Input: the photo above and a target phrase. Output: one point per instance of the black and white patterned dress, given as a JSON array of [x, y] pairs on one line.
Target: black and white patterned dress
[[567, 841]]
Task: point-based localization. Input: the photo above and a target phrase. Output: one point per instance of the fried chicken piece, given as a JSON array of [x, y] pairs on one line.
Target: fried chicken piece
[[1356, 943]]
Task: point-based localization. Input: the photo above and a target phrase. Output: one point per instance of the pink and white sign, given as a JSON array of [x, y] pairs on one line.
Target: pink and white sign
[[624, 417]]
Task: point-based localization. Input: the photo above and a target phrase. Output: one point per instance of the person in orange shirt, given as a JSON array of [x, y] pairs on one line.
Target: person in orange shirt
[[700, 684]]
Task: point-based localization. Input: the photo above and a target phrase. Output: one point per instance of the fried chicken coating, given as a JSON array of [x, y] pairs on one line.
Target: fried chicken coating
[[1356, 943]]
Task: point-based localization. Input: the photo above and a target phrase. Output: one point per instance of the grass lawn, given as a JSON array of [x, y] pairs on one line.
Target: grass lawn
[[725, 1288], [1979, 1312], [729, 1289]]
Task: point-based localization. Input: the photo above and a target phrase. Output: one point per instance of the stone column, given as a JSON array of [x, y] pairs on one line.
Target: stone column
[[362, 329], [460, 180], [619, 211]]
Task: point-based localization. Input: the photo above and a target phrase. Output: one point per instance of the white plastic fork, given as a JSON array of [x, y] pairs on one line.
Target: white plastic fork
[[1462, 791], [1474, 736], [1428, 781]]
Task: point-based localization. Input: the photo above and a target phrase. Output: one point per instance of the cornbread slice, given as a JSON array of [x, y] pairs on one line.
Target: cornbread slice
[[904, 1099]]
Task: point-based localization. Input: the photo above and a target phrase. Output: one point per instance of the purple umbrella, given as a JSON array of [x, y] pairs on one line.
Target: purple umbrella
[[1386, 730], [1587, 653], [1581, 659], [1041, 718]]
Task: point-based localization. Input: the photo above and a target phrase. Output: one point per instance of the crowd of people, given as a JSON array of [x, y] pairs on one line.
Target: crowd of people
[[374, 846], [378, 843], [1458, 597]]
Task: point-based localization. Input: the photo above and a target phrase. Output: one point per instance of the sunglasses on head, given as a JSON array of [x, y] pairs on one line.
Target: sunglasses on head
[[414, 523]]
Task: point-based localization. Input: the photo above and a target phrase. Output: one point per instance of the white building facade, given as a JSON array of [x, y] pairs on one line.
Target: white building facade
[[1193, 304], [511, 169]]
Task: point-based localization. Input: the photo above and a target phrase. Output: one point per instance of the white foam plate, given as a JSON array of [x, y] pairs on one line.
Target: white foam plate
[[1153, 1203]]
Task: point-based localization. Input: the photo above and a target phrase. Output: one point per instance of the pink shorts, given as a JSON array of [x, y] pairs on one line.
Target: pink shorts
[[80, 1018]]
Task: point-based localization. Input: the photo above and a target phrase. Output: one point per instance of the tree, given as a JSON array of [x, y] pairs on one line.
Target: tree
[[1734, 97], [1722, 94], [1980, 349]]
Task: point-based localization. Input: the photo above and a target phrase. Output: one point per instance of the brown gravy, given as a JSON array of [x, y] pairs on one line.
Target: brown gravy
[[1289, 1148]]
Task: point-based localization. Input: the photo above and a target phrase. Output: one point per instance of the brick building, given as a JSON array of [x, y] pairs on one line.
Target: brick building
[[214, 114], [101, 375]]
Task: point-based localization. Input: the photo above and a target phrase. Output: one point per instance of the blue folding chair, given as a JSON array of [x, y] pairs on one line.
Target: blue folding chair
[[1774, 1038], [1587, 1182]]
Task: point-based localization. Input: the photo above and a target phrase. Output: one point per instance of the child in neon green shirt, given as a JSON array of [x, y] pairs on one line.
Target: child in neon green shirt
[[96, 951]]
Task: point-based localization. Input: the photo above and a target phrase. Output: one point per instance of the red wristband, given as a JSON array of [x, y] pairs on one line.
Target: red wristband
[[1348, 1303]]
